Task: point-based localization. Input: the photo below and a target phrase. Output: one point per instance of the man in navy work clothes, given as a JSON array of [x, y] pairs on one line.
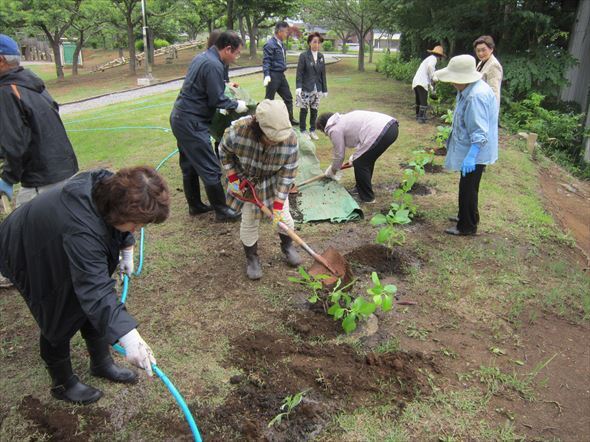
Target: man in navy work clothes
[[274, 65], [201, 95]]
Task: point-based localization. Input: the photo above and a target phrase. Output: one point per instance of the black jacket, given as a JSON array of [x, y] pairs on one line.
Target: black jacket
[[311, 74], [36, 148], [274, 58], [203, 89], [60, 254]]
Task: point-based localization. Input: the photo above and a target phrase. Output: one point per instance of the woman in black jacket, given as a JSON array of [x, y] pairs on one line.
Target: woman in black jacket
[[60, 250], [310, 83]]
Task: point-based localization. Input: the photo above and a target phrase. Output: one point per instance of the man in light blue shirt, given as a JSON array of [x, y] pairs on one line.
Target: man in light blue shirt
[[473, 143]]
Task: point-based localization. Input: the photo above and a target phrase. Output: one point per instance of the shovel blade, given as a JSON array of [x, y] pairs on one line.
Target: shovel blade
[[339, 265]]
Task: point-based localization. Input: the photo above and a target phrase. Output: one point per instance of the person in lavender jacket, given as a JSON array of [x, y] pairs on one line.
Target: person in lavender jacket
[[473, 143], [369, 133]]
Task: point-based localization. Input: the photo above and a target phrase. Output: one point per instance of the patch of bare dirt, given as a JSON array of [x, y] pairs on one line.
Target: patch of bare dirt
[[568, 200], [335, 377], [377, 258]]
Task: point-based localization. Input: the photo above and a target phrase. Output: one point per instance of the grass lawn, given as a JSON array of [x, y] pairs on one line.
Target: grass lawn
[[494, 349]]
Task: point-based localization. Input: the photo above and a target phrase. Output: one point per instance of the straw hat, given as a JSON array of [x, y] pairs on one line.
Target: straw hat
[[461, 70], [437, 50], [274, 121]]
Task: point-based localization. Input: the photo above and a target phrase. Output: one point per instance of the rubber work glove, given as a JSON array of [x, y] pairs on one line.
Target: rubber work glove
[[298, 91], [277, 213], [126, 264], [223, 111], [137, 351], [468, 165], [6, 189], [329, 173], [242, 108], [234, 184], [325, 95], [266, 81]]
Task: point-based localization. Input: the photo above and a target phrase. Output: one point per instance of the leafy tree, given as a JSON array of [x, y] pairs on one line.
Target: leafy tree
[[130, 11], [358, 16]]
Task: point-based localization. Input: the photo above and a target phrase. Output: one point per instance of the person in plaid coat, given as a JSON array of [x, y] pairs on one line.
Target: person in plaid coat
[[262, 149]]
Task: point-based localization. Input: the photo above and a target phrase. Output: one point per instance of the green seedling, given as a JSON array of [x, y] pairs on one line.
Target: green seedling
[[382, 294], [312, 282], [421, 159], [289, 404]]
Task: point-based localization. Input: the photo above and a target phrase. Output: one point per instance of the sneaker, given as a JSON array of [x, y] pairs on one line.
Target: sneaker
[[305, 134], [5, 282], [313, 135]]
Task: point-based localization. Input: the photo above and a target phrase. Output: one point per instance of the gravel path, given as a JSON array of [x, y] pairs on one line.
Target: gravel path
[[176, 84]]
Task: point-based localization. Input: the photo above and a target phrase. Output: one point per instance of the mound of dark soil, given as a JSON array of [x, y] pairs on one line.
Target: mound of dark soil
[[378, 258], [429, 168], [64, 424], [335, 378]]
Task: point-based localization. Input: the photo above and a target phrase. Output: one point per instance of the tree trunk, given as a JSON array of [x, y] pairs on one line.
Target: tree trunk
[[77, 51], [131, 46], [587, 138], [242, 30], [59, 69], [252, 32], [361, 59], [579, 47], [120, 52], [230, 15], [371, 44]]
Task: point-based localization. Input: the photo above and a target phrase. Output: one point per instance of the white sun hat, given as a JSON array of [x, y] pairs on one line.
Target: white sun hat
[[461, 70]]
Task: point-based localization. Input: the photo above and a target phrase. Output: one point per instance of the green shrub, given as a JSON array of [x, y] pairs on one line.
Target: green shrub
[[158, 43], [393, 67], [560, 133], [328, 46]]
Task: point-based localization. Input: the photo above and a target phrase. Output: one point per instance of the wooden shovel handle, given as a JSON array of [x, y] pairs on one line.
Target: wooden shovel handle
[[6, 204]]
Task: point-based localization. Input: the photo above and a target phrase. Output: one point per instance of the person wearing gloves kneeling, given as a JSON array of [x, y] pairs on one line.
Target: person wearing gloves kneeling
[[473, 143], [263, 150], [369, 133], [60, 251]]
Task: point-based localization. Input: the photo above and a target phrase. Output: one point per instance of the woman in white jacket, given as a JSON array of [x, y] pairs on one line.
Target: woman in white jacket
[[488, 65], [423, 81]]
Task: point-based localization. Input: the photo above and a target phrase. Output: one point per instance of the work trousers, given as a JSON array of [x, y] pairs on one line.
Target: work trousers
[[365, 164], [468, 200], [421, 98], [313, 116], [54, 353], [250, 223], [26, 194], [278, 84], [197, 158]]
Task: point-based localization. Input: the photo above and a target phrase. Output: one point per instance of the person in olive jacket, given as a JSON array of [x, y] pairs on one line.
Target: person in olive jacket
[[311, 84], [60, 250]]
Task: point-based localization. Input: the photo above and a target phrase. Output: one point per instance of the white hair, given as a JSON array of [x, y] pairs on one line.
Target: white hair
[[12, 59]]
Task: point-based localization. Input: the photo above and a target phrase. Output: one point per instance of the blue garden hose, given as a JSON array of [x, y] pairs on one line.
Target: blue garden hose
[[175, 393]]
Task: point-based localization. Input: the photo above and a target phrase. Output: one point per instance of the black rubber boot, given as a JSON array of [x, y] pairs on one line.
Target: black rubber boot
[[192, 192], [289, 250], [103, 366], [216, 196], [253, 267], [67, 387], [422, 114]]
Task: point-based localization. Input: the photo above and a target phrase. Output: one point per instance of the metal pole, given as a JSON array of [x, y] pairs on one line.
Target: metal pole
[[148, 65]]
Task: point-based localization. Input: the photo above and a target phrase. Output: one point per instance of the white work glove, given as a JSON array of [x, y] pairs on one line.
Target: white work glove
[[126, 264], [137, 351], [242, 108], [223, 111], [351, 159], [325, 94], [266, 81], [298, 91], [329, 173]]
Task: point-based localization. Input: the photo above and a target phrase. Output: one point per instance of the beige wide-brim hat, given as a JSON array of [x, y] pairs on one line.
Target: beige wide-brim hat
[[437, 50], [273, 118], [461, 70]]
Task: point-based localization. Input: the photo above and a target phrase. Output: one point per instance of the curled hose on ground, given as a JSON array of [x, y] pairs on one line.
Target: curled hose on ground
[[177, 396]]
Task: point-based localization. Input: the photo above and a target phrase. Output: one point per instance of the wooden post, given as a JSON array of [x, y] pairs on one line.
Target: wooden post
[[531, 143]]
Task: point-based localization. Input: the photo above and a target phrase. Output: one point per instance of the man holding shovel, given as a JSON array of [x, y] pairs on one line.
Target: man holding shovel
[[262, 149]]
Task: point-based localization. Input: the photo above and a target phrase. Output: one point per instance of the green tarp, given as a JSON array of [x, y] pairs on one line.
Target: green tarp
[[323, 200]]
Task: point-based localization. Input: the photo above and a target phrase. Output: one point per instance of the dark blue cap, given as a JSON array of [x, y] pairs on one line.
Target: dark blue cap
[[8, 46]]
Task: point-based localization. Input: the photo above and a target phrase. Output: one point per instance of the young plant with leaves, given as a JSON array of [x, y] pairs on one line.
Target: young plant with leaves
[[288, 405]]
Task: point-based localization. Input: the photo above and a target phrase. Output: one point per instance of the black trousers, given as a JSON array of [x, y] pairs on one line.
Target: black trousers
[[197, 157], [53, 354], [365, 164], [468, 200], [278, 84], [313, 116], [421, 97]]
